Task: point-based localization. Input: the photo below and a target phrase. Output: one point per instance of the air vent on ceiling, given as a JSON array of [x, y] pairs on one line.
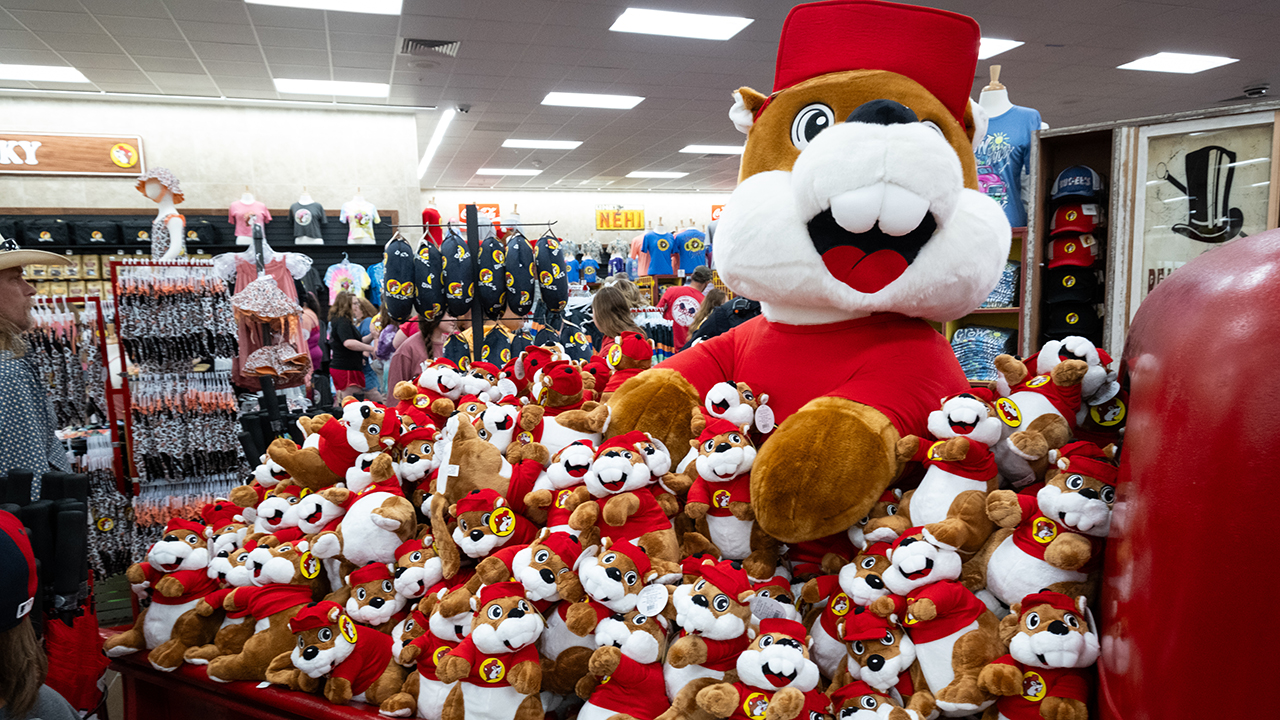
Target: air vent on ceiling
[[419, 47]]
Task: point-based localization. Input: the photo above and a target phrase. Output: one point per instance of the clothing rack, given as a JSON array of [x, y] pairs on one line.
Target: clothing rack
[[549, 223]]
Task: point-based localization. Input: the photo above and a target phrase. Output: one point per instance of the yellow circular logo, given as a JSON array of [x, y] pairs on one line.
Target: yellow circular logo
[[720, 498], [1008, 411], [1033, 687], [546, 278], [525, 437], [553, 244], [1037, 381], [755, 706], [421, 401], [97, 234], [309, 565], [143, 235], [455, 290], [492, 670], [562, 498], [505, 355], [191, 234], [498, 256], [615, 356], [1072, 318], [439, 654], [347, 627], [486, 275], [1069, 281], [1069, 248], [663, 245], [933, 450], [502, 522], [46, 235], [1108, 414], [1044, 530], [124, 155], [693, 245], [1072, 215], [840, 604], [606, 679], [106, 524]]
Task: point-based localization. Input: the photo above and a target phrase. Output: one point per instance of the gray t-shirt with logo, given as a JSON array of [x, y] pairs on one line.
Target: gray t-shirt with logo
[[307, 219]]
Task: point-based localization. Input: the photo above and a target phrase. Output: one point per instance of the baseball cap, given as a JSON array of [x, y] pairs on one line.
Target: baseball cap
[[701, 274], [1071, 318], [13, 256], [18, 568], [1079, 250], [1077, 181], [1075, 218], [1070, 284]]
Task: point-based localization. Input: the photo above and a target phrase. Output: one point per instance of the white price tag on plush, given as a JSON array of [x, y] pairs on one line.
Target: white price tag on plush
[[652, 600], [764, 419]]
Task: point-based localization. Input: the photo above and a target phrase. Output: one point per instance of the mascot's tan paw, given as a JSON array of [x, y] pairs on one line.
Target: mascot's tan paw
[[1068, 551], [1069, 372], [720, 699], [1056, 708], [659, 402], [1000, 679], [1029, 445], [823, 469], [1003, 508]]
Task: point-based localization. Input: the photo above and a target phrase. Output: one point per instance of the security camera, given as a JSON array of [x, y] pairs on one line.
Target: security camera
[[464, 109]]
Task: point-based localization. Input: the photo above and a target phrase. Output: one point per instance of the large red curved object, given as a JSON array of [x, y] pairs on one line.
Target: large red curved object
[[1194, 527]]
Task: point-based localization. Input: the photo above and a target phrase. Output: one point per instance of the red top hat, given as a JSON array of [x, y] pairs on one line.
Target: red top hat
[[936, 48]]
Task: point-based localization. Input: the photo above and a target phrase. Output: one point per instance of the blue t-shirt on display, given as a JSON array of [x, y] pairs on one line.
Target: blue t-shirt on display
[[617, 264], [571, 270], [659, 246], [376, 275], [1002, 157], [587, 269], [692, 245]]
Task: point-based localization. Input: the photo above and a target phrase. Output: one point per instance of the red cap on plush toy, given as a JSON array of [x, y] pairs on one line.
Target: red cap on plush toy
[[638, 556], [487, 367], [626, 441], [715, 426], [220, 514], [177, 525], [1055, 600], [1088, 459], [855, 689], [315, 615], [566, 378], [978, 393], [936, 48], [782, 626], [631, 344], [407, 547], [880, 549], [479, 500], [426, 432], [564, 545], [372, 572], [531, 360], [500, 590], [863, 625], [730, 579]]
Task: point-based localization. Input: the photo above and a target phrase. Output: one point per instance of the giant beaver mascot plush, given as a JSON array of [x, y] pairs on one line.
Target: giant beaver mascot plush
[[856, 220]]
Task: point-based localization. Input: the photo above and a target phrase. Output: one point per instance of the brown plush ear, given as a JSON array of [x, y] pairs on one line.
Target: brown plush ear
[[1110, 451], [970, 127], [751, 99], [697, 423], [335, 613]]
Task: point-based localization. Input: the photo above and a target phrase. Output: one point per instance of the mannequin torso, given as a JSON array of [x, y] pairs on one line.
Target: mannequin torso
[[244, 214], [168, 230]]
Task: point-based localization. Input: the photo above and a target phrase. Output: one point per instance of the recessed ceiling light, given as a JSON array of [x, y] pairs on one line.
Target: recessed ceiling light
[[679, 24], [591, 100], [508, 171], [332, 87], [541, 144], [656, 175], [713, 149], [437, 137], [373, 7], [1177, 63], [991, 47], [42, 73]]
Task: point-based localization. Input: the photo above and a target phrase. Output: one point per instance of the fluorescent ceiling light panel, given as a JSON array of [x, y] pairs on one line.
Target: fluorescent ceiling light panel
[[541, 144], [1177, 63], [679, 24], [991, 47], [437, 137], [591, 100], [656, 175], [713, 149], [42, 73], [332, 87], [508, 171], [372, 7]]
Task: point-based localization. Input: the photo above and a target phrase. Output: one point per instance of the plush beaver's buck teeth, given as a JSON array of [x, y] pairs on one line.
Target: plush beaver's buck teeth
[[896, 209]]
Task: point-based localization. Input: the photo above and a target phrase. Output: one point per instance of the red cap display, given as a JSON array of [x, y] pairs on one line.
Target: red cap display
[[1072, 219], [313, 616], [731, 580], [935, 48], [500, 590], [782, 626], [1077, 250], [373, 572]]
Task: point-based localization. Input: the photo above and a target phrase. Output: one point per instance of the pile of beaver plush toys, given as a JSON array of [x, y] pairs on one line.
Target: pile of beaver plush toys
[[813, 515]]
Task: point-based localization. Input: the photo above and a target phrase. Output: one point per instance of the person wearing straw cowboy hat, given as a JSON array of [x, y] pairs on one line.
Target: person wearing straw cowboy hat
[[27, 421]]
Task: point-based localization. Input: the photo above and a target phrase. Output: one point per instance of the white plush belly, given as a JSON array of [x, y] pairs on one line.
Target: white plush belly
[[731, 535], [595, 712], [677, 678], [1031, 406], [939, 488], [556, 437], [935, 658], [431, 697], [491, 703], [557, 637], [362, 541], [1013, 574], [158, 625], [827, 651]]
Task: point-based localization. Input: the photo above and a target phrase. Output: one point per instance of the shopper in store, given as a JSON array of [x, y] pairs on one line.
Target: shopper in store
[[725, 318], [23, 664], [406, 361], [346, 346], [611, 312], [681, 303], [27, 419], [369, 329], [714, 299]]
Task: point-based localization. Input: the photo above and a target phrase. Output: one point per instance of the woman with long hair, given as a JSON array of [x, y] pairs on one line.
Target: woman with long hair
[[422, 346], [714, 299], [611, 313], [346, 346]]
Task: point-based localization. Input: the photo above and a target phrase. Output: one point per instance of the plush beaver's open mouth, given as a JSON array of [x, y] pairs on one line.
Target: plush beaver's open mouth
[[867, 261], [779, 679], [721, 406], [505, 423], [963, 428], [577, 471], [614, 485], [315, 516], [928, 567]]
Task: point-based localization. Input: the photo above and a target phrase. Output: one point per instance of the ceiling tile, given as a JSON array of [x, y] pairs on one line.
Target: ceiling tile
[[81, 42], [363, 23], [299, 72], [227, 51], [211, 11], [86, 62], [30, 57], [361, 42], [244, 83], [20, 40], [289, 38], [225, 68], [77, 22], [122, 26], [219, 32], [171, 65], [360, 75], [315, 58], [379, 61], [155, 48], [138, 87], [99, 76], [278, 17], [135, 8]]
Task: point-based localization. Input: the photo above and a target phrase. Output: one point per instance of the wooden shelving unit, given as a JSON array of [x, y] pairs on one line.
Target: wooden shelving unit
[[1010, 317]]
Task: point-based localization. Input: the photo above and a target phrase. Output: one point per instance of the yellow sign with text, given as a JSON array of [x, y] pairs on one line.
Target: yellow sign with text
[[617, 218]]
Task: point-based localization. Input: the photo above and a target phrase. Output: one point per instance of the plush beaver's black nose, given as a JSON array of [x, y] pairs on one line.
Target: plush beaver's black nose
[[1057, 627], [515, 613], [614, 574], [874, 663], [883, 112], [875, 582], [700, 600], [310, 653], [723, 447], [477, 535], [547, 576], [377, 602], [1089, 493], [400, 571]]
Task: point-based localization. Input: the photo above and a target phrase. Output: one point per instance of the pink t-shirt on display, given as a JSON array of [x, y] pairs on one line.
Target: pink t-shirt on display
[[242, 215]]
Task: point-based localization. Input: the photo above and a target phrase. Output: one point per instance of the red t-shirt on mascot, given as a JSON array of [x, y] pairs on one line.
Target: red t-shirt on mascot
[[1038, 684], [895, 364], [679, 305], [633, 689]]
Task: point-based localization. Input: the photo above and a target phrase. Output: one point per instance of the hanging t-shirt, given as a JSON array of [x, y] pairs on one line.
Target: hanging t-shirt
[[1002, 158], [377, 273], [307, 220], [692, 245], [587, 270], [431, 216], [660, 246], [640, 256], [571, 270], [617, 264], [360, 217], [345, 277], [245, 215], [679, 305]]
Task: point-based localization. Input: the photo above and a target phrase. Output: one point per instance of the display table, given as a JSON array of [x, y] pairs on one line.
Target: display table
[[188, 693]]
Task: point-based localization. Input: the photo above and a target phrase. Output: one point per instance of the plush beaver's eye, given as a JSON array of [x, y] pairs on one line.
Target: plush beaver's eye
[[890, 509], [735, 438], [301, 642], [865, 520], [811, 120], [748, 396], [1033, 621], [386, 586], [858, 647], [608, 559], [542, 557], [484, 434], [868, 562], [932, 126], [495, 611], [408, 625], [709, 445], [766, 641], [325, 634], [415, 556], [1071, 620], [888, 638], [361, 594], [1075, 482], [631, 577], [639, 620], [721, 603], [868, 702], [1108, 494], [373, 429]]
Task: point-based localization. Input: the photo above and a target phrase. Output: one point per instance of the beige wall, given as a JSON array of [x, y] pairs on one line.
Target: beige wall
[[216, 151], [575, 211]]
